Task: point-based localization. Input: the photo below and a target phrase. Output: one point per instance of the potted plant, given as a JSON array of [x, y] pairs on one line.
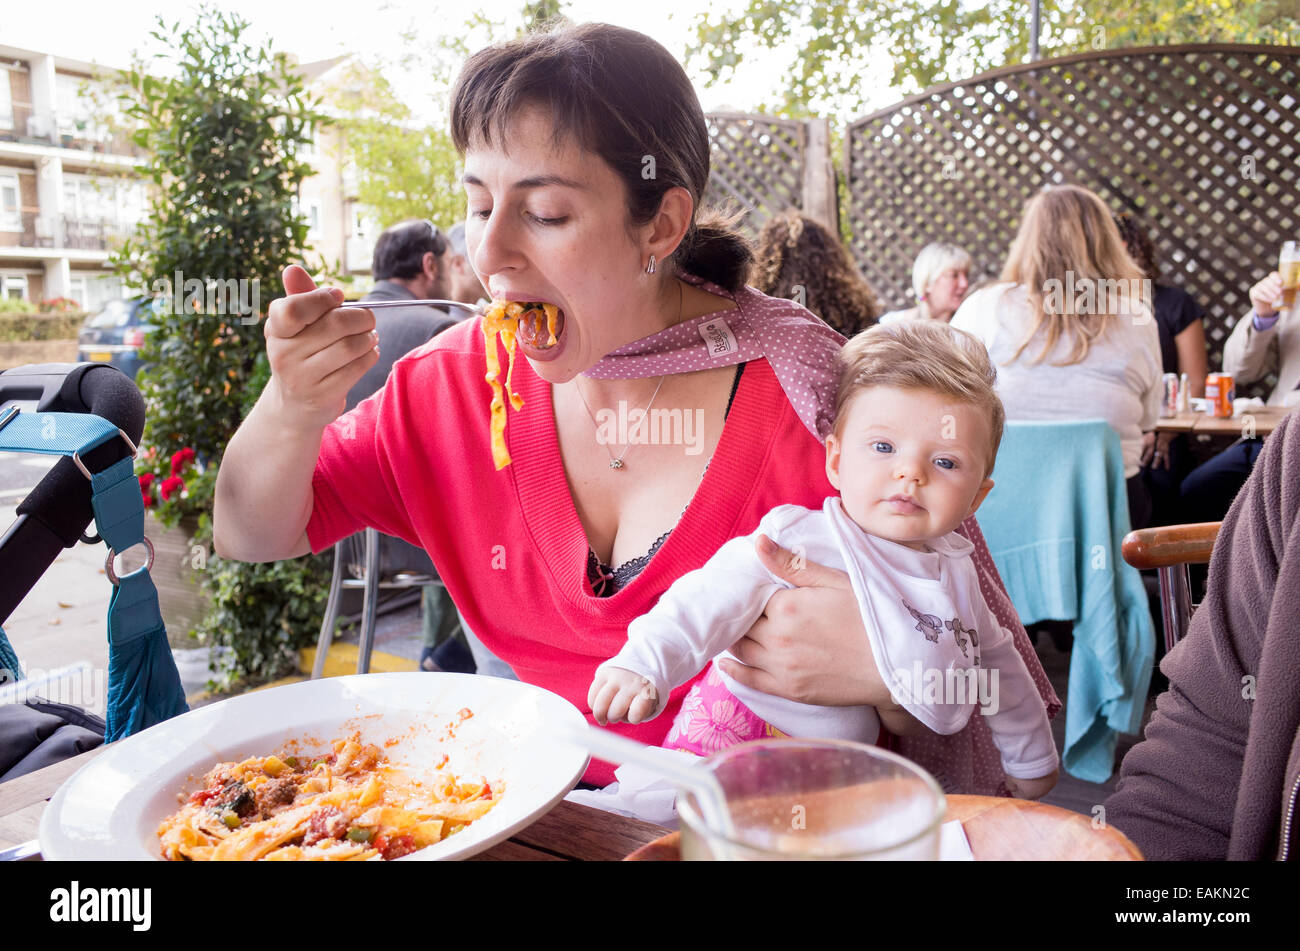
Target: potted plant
[[226, 127]]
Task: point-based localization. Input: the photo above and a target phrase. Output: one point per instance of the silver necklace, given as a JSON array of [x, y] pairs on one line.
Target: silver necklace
[[617, 462]]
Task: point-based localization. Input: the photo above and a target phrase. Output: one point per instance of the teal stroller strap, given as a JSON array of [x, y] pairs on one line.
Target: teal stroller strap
[[10, 670], [60, 434], [133, 612]]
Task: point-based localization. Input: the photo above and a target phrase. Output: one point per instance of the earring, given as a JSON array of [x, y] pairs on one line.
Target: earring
[[650, 268]]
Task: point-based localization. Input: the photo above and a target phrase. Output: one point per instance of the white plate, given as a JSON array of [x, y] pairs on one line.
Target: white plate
[[110, 809]]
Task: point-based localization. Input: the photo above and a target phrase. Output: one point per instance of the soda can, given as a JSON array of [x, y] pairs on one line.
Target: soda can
[[1220, 391], [1169, 398], [1184, 394]]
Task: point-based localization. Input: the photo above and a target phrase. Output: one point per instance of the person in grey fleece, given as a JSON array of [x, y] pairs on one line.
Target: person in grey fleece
[[1217, 774]]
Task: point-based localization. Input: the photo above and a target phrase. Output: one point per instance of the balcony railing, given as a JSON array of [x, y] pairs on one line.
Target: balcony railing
[[64, 232], [43, 128], [87, 235]]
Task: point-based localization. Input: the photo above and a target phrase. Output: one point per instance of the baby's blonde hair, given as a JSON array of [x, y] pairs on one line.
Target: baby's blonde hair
[[922, 355]]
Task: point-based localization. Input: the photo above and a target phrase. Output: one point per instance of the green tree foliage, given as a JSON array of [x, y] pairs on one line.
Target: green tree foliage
[[406, 168], [225, 124], [542, 13], [832, 45]]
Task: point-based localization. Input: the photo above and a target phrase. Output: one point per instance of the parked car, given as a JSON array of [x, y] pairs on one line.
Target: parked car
[[113, 334]]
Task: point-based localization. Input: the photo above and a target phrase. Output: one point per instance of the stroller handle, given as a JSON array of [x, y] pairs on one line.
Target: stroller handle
[[56, 513]]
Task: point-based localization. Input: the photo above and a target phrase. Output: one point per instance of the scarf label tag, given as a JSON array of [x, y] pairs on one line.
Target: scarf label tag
[[719, 338]]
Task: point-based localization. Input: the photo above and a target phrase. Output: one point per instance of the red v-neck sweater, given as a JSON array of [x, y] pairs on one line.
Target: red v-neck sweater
[[415, 461]]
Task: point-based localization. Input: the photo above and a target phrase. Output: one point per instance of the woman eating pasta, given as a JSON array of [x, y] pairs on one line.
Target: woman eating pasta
[[673, 409]]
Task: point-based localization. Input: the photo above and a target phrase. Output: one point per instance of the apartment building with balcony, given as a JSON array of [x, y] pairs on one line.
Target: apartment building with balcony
[[68, 185], [340, 229], [71, 187]]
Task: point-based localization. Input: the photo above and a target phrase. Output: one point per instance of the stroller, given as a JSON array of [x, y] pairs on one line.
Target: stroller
[[92, 415]]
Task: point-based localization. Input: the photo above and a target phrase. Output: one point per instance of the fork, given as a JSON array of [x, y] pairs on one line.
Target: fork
[[376, 304]]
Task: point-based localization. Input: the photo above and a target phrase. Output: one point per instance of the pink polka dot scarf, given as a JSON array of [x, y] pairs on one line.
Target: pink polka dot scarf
[[800, 347]]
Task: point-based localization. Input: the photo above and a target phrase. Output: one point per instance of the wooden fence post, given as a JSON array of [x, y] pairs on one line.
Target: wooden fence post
[[820, 201]]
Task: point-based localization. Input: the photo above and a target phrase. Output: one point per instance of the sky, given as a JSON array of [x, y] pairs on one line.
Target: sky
[[107, 33]]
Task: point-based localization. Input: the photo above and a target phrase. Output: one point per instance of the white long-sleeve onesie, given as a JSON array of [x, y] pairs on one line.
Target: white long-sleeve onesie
[[939, 648]]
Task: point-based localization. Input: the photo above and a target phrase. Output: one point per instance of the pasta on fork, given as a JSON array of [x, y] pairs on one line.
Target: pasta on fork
[[504, 318]]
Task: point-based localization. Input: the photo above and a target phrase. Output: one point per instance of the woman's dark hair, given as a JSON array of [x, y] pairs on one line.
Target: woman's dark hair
[[1139, 244], [795, 251], [619, 95]]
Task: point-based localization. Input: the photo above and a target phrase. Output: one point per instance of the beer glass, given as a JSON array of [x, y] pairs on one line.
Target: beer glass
[[1288, 265]]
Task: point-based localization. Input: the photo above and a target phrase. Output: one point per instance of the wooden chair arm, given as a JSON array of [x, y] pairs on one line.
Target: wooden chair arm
[[1151, 548]]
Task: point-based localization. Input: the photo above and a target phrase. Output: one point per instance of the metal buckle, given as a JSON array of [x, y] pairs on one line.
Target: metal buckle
[[8, 416], [76, 458], [148, 562]]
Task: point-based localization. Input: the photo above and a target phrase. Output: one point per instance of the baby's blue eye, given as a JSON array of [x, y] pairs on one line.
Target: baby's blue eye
[[945, 464], [881, 443]]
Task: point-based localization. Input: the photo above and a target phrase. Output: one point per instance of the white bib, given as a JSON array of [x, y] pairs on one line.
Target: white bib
[[918, 619]]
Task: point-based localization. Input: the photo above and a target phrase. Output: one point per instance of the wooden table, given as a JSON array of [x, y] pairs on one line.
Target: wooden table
[[1000, 829], [1261, 421], [568, 832], [996, 828]]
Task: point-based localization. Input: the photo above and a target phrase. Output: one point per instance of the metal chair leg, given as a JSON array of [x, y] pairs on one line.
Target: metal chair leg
[[370, 603], [1175, 602], [326, 637]]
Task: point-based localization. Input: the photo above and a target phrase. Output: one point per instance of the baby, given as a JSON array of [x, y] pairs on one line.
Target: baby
[[917, 428]]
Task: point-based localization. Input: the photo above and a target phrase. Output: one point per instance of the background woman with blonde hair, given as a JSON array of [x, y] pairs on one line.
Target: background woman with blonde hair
[[1070, 326], [793, 252], [940, 280]]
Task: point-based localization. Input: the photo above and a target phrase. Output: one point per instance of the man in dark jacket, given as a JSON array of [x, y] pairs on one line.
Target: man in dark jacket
[[415, 261], [410, 263], [1217, 774]]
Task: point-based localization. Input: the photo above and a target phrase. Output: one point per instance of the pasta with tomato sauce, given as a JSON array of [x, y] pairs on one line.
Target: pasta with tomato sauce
[[503, 318], [348, 805]]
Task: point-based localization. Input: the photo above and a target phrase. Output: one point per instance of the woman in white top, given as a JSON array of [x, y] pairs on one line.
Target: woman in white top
[[1070, 326], [940, 279]]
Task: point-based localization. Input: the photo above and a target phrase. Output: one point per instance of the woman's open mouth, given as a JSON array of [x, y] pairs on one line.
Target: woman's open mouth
[[538, 337]]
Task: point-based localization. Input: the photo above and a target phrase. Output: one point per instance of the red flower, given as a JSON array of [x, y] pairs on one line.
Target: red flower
[[170, 487], [146, 489], [181, 460]]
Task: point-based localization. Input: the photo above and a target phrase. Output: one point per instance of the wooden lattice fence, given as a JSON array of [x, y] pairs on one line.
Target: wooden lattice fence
[[762, 165], [1202, 142]]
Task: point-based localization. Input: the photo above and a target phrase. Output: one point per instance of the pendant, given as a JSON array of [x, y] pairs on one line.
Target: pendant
[[616, 463]]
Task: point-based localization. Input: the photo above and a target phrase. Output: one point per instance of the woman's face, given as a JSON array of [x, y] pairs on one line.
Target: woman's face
[[550, 225], [947, 292]]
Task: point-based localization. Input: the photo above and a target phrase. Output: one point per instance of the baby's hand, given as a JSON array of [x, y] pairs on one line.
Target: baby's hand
[[618, 696], [1033, 788]]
